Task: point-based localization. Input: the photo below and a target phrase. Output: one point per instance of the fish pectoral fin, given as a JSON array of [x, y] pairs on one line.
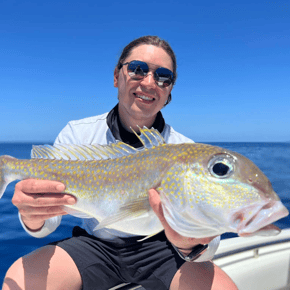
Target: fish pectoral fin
[[76, 213], [133, 209]]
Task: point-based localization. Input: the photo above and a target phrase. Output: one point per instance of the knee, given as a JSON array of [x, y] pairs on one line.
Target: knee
[[222, 280], [46, 268], [14, 278], [30, 271], [205, 275]]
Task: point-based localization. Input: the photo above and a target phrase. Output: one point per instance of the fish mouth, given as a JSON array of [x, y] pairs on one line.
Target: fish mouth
[[254, 218]]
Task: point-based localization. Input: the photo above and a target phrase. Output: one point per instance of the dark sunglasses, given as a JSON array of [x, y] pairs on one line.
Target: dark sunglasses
[[137, 70]]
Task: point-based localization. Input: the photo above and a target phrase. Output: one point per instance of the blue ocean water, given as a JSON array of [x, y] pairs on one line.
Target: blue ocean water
[[272, 158]]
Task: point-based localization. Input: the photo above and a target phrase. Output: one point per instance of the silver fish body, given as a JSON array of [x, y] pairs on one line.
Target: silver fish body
[[205, 190]]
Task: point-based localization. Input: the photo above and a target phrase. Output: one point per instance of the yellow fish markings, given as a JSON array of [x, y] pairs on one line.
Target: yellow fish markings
[[205, 190]]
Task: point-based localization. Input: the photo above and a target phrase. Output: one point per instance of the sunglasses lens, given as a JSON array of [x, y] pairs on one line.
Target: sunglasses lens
[[163, 77], [137, 69]]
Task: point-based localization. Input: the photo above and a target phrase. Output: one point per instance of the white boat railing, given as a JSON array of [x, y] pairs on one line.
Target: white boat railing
[[255, 247], [257, 263]]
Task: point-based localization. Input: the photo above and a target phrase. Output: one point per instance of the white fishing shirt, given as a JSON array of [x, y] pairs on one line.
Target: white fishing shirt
[[95, 130]]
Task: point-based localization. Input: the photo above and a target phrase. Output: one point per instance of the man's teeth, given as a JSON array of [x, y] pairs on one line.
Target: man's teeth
[[145, 98]]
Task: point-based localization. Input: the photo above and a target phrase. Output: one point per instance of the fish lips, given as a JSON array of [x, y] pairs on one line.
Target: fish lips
[[255, 218]]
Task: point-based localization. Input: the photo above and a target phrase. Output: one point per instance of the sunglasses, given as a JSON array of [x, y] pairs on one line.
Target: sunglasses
[[137, 70]]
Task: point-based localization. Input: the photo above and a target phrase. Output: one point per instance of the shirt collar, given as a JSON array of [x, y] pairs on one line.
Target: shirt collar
[[121, 134]]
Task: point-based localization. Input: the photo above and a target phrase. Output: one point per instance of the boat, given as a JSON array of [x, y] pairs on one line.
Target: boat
[[257, 263], [253, 263]]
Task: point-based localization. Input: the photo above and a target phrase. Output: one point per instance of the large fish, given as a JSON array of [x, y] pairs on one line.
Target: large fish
[[205, 190]]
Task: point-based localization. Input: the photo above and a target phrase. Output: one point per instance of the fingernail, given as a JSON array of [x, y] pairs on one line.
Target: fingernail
[[71, 201], [60, 187]]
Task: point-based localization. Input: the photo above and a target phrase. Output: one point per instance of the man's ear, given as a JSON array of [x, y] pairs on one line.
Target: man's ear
[[116, 77]]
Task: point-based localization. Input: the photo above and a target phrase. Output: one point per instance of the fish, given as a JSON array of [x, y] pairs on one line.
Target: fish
[[205, 190]]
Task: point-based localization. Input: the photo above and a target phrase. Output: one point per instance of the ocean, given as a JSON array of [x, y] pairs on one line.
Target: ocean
[[272, 158]]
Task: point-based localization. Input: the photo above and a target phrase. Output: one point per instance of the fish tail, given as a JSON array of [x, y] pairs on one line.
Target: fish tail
[[4, 180]]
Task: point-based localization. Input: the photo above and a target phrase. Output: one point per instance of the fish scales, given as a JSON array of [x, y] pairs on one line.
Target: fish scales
[[205, 190], [92, 176], [105, 184]]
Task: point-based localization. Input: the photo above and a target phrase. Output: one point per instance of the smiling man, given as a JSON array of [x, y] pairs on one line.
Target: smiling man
[[144, 76]]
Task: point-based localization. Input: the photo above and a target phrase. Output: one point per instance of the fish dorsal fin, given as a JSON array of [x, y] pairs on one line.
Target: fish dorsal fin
[[82, 152], [149, 138]]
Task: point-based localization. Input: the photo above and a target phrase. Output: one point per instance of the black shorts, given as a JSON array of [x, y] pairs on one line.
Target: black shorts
[[151, 263]]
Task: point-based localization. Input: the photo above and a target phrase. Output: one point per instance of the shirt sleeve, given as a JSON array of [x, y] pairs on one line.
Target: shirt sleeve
[[49, 227], [67, 136]]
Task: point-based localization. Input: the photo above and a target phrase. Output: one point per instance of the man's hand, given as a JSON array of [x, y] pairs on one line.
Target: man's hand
[[39, 200], [181, 242]]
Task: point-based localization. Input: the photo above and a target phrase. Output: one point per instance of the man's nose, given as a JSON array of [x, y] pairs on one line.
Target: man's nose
[[148, 80]]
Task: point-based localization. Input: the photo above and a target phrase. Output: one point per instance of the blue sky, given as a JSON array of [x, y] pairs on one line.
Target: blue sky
[[57, 60]]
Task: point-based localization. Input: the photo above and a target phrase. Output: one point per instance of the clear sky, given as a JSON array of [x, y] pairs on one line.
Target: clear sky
[[57, 60]]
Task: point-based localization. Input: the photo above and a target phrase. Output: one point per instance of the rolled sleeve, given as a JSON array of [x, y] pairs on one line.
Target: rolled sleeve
[[49, 226]]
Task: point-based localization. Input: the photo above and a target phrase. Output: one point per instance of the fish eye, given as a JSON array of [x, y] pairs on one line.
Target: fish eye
[[221, 166], [220, 169]]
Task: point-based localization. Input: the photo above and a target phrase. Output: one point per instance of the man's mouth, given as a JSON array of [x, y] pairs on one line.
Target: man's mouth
[[143, 97]]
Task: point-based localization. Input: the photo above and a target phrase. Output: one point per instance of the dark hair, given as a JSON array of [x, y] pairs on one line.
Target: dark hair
[[150, 40]]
